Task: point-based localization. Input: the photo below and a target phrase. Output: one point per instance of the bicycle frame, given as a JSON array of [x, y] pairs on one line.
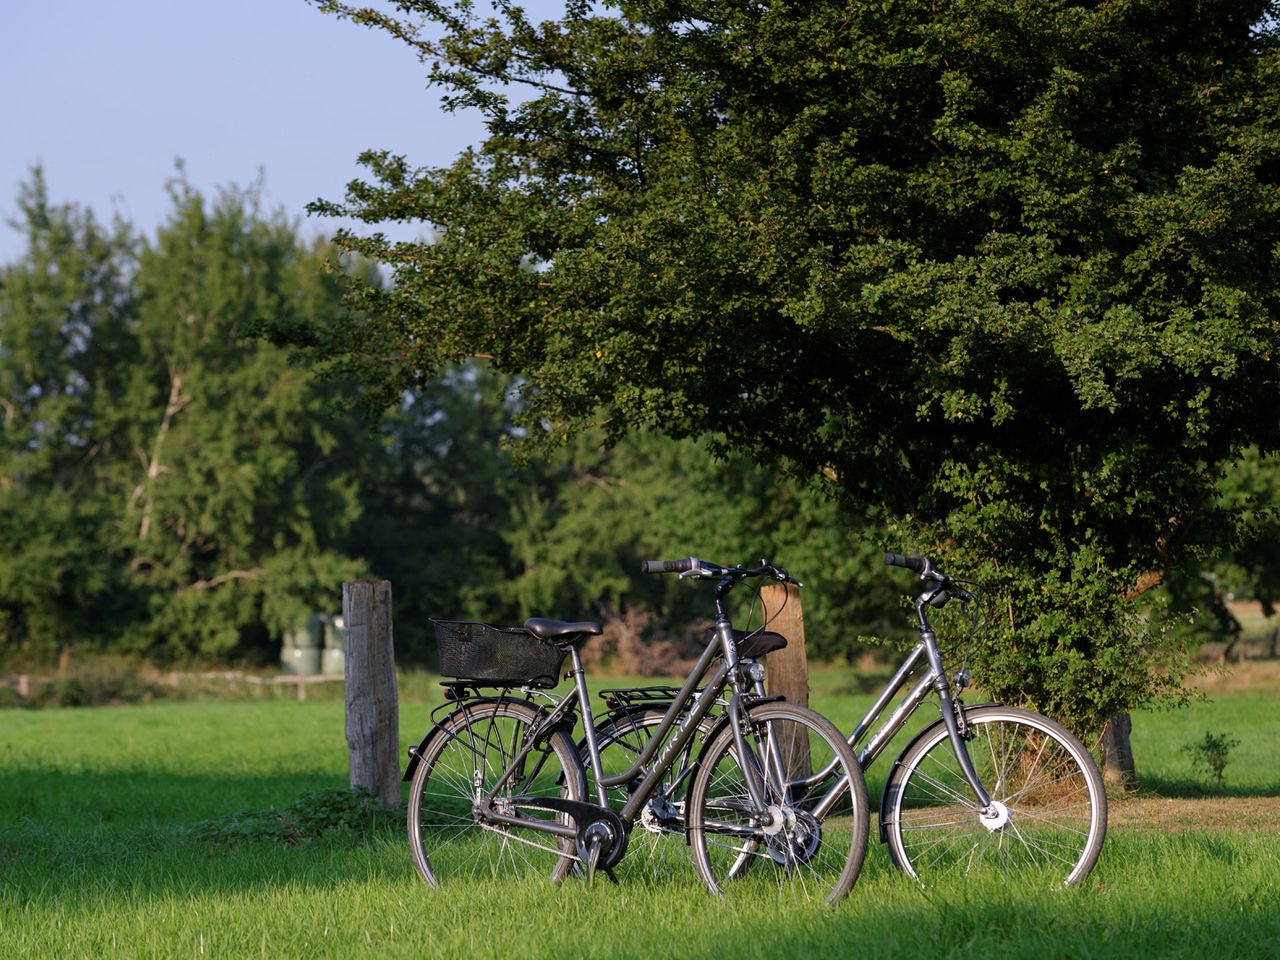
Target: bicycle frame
[[684, 714], [934, 680]]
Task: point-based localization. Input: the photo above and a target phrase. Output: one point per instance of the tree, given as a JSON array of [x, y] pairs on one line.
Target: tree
[[64, 312], [1007, 271], [463, 530], [169, 482], [219, 451], [173, 487], [1248, 568]]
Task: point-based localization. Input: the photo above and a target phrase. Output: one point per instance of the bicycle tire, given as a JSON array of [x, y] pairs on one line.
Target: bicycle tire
[[794, 853], [657, 841], [459, 764], [1033, 766]]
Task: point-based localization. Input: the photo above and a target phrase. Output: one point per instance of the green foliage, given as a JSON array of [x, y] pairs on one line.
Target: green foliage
[[317, 813], [465, 528], [1248, 568], [1009, 273], [175, 489], [166, 485], [1209, 756]]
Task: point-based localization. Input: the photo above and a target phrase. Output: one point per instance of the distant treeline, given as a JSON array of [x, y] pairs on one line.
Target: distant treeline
[[172, 486]]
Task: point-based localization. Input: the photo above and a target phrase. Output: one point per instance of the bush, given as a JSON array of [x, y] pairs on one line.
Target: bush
[[1210, 755], [355, 812]]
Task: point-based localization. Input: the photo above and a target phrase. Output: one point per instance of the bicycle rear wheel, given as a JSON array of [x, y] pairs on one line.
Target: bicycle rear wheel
[[1051, 804], [460, 764], [791, 847]]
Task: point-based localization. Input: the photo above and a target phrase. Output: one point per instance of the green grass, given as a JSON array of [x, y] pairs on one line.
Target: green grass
[[1253, 768], [97, 858]]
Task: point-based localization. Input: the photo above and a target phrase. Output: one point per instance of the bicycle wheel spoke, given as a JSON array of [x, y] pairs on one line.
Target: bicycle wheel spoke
[[1047, 797], [782, 844], [458, 777]]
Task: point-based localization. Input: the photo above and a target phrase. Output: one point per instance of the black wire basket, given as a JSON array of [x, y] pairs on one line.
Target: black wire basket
[[496, 656]]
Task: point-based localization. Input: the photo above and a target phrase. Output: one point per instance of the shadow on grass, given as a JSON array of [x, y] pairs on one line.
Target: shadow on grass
[[103, 832], [1184, 788]]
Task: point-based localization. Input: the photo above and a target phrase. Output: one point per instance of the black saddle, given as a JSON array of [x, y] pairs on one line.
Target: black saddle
[[563, 632]]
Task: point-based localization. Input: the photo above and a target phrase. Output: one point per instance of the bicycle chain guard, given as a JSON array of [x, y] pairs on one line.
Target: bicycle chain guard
[[612, 841]]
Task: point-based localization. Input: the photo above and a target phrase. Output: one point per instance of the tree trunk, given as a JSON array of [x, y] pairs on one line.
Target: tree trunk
[[373, 729], [788, 668], [1117, 754]]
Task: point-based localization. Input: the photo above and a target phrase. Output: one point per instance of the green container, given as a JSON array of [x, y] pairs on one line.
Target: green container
[[298, 637], [304, 661], [335, 637], [333, 662], [316, 628]]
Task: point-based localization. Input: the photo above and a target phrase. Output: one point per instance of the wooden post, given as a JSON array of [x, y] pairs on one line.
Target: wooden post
[[788, 669], [373, 729]]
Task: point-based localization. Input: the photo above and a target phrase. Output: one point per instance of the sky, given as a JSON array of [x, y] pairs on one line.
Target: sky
[[107, 97]]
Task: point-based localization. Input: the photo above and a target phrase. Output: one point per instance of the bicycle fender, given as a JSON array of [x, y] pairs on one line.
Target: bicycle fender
[[897, 762], [415, 753]]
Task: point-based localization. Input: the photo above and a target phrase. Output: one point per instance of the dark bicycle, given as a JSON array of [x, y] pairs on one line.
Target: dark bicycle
[[499, 786], [984, 789]]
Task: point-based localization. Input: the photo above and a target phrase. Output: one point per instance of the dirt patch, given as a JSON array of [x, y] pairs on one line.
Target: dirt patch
[[1170, 815], [1249, 675]]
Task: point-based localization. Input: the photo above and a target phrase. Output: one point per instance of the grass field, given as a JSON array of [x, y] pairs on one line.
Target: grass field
[[98, 857]]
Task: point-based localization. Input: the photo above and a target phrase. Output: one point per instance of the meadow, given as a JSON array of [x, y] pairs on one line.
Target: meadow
[[179, 829]]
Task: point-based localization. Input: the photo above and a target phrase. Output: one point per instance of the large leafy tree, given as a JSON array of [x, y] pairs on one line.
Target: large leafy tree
[[64, 315], [1008, 270], [219, 451], [171, 485]]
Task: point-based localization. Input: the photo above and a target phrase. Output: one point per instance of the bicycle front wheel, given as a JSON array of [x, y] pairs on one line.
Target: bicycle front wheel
[[1050, 804], [657, 846], [807, 836], [460, 765]]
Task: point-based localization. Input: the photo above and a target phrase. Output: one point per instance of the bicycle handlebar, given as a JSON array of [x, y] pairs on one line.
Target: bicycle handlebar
[[947, 588], [702, 570], [668, 566], [918, 564]]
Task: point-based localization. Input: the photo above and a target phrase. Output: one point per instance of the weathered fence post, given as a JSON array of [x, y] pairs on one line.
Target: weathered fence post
[[788, 668], [373, 728]]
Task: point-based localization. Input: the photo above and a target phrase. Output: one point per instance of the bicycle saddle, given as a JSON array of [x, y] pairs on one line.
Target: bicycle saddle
[[561, 631]]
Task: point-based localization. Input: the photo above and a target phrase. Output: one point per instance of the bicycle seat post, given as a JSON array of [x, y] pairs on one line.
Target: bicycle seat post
[[588, 724]]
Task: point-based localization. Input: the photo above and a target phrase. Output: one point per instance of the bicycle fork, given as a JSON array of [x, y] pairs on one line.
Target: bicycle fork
[[992, 814]]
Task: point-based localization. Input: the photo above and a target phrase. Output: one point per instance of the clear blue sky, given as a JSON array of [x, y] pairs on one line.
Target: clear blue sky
[[106, 96]]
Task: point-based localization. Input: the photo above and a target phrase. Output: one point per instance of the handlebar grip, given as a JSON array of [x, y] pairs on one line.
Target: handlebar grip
[[667, 566], [918, 564]]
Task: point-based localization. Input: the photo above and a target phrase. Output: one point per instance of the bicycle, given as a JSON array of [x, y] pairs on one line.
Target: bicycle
[[984, 788], [498, 785]]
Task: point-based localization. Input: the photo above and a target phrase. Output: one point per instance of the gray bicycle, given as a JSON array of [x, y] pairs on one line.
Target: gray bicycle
[[498, 786], [985, 789]]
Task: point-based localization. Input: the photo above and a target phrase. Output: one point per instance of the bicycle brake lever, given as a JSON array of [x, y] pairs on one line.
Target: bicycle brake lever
[[703, 571]]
